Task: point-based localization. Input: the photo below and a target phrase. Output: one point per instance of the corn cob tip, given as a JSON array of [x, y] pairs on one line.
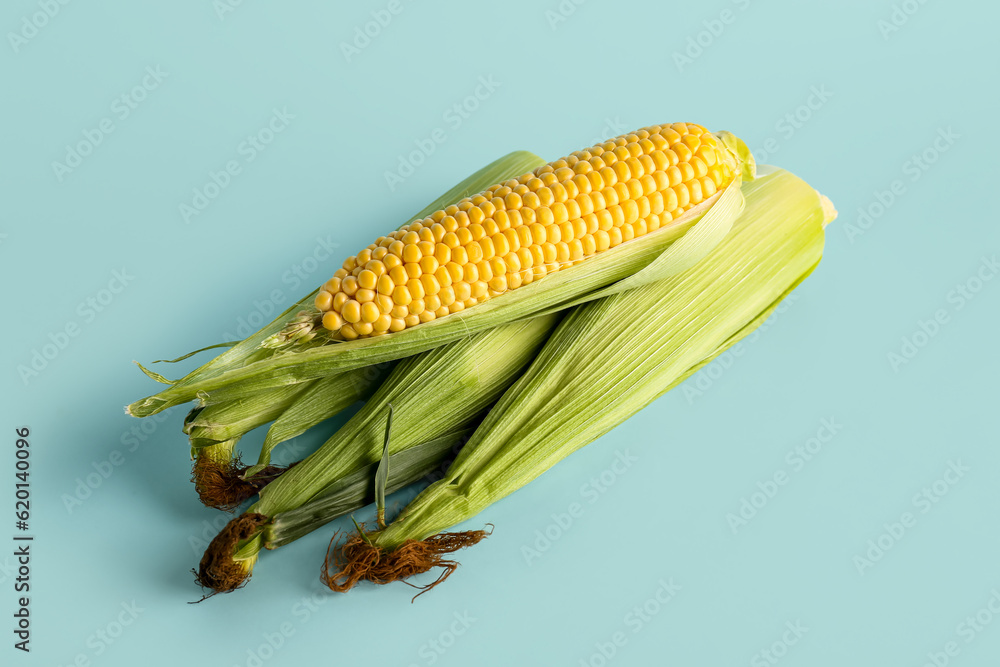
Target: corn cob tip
[[829, 211], [741, 152], [518, 231]]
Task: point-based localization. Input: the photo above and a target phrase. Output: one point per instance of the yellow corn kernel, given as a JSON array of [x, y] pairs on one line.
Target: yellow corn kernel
[[369, 312], [351, 311], [401, 295], [324, 301], [332, 321], [367, 279], [349, 285], [415, 288], [480, 289], [430, 284]]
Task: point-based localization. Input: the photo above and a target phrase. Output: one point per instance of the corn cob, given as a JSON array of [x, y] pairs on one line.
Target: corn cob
[[471, 372], [519, 231], [598, 368], [696, 230]]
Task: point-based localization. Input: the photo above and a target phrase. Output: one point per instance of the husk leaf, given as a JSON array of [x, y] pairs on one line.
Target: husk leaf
[[609, 359]]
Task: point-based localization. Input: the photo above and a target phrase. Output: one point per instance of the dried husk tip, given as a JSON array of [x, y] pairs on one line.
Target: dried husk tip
[[223, 484], [218, 570]]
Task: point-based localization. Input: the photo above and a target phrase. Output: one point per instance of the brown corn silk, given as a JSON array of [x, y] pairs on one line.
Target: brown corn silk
[[358, 559], [225, 485]]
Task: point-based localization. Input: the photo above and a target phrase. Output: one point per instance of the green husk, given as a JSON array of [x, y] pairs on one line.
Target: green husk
[[636, 261], [353, 491], [423, 461], [323, 399], [232, 419], [382, 473], [436, 397], [609, 359], [215, 452], [432, 394]]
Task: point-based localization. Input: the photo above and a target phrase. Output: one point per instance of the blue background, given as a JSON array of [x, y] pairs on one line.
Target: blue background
[[564, 75]]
